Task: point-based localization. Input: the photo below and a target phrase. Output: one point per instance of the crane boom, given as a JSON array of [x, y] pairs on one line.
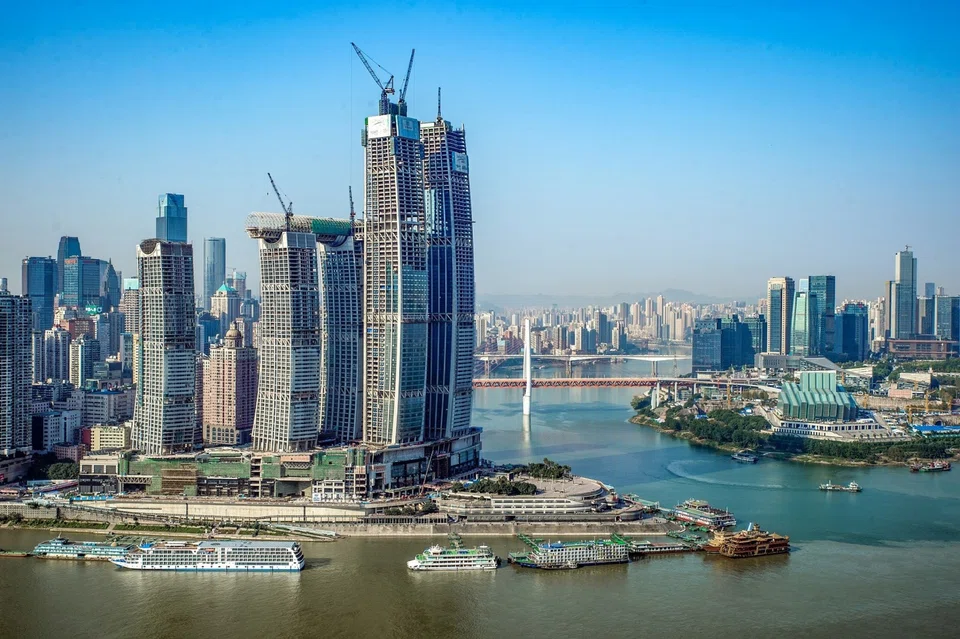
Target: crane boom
[[406, 79], [373, 74], [352, 213], [287, 208]]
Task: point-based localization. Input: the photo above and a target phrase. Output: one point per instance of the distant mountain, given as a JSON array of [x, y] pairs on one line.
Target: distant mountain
[[501, 302]]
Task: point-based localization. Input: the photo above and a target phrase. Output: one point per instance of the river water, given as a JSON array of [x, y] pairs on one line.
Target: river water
[[882, 563]]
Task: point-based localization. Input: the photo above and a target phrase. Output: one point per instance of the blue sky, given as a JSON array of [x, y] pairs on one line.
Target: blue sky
[[638, 147]]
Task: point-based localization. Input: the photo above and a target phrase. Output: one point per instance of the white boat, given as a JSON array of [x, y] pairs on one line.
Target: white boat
[[455, 558], [239, 556]]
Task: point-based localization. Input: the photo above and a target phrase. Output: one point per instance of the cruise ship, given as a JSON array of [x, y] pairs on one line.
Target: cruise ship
[[703, 514], [752, 542], [242, 556], [570, 554], [61, 548], [455, 558]]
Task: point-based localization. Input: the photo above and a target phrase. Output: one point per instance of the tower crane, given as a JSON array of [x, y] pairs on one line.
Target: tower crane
[[353, 215], [386, 88], [402, 102], [287, 208]]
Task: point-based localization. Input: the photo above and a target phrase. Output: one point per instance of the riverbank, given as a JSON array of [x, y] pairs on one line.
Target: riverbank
[[804, 458]]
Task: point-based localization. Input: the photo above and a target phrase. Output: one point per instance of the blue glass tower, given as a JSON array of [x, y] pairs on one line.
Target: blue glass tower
[[172, 218], [40, 285], [69, 247]]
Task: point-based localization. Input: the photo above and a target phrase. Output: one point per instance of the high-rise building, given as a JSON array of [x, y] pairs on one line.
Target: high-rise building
[[107, 329], [214, 267], [903, 296], [16, 371], [757, 325], [36, 357], [81, 282], [56, 354], [824, 289], [229, 392], [171, 218], [289, 343], [69, 247], [129, 302], [39, 283], [946, 320], [225, 306], [396, 285], [341, 334], [780, 294], [855, 331], [449, 229], [165, 355], [804, 325], [84, 353], [110, 292], [930, 289], [925, 316], [238, 280]]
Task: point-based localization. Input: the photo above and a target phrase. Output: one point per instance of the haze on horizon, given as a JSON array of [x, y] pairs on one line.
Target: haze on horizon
[[635, 150]]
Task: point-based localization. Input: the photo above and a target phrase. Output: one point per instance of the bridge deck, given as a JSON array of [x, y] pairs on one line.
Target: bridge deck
[[613, 382]]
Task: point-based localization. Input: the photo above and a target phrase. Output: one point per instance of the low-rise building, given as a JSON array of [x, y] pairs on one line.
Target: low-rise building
[[115, 437], [73, 452]]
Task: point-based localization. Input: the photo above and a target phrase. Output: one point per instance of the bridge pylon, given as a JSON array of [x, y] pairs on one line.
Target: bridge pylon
[[527, 367]]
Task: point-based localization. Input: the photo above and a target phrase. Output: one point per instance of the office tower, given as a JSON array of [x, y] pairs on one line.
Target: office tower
[[81, 282], [930, 289], [171, 218], [39, 283], [780, 293], [925, 316], [341, 334], [56, 354], [107, 329], [449, 228], [84, 353], [395, 285], [208, 329], [706, 353], [128, 306], [289, 343], [16, 371], [601, 323], [109, 286], [238, 280], [946, 318], [125, 353], [229, 392], [805, 313], [36, 357], [903, 296], [165, 355], [854, 320], [225, 306], [758, 334], [214, 267], [824, 289], [69, 247]]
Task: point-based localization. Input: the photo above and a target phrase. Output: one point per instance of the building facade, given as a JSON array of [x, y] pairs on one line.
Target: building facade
[[164, 359], [69, 247], [946, 320], [395, 285], [289, 344], [171, 218], [39, 283], [84, 353], [823, 288], [56, 354], [780, 294], [16, 370], [804, 341], [451, 306], [229, 392], [81, 282], [214, 267], [903, 296]]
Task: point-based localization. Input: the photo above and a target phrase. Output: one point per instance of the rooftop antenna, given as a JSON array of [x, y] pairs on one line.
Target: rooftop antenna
[[439, 117], [287, 208]]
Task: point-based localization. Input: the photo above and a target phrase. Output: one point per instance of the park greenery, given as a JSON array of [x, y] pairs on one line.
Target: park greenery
[[547, 470], [499, 486], [720, 427], [47, 466]]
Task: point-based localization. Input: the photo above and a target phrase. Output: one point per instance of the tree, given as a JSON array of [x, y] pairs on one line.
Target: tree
[[63, 470]]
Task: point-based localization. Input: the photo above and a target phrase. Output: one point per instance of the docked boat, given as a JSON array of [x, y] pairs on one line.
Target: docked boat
[[852, 487], [61, 548], [752, 542], [644, 548], [455, 558], [701, 513], [564, 555], [238, 556], [10, 554], [745, 457], [930, 467]]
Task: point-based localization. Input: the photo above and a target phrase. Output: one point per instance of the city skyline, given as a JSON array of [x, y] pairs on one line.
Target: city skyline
[[876, 148]]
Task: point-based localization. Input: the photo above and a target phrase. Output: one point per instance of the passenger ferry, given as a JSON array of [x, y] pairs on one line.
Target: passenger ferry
[[455, 558], [61, 548], [745, 457], [852, 487], [703, 514], [571, 554], [242, 556]]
